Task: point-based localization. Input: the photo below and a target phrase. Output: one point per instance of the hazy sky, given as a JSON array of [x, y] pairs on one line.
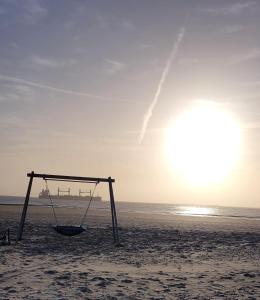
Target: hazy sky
[[77, 79]]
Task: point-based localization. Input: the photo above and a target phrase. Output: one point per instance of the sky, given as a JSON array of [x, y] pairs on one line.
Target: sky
[[88, 88]]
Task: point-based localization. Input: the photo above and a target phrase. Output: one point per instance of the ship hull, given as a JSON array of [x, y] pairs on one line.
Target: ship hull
[[67, 197]]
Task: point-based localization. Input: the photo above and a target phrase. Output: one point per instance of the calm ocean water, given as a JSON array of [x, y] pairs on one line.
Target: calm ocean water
[[155, 208]]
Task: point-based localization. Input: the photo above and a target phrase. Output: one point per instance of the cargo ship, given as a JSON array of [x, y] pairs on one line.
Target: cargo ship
[[66, 195]]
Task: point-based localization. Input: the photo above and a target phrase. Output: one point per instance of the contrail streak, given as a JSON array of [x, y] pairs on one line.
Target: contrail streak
[[59, 90], [173, 54]]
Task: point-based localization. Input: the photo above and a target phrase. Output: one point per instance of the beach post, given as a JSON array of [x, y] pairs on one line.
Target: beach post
[[25, 206], [113, 212]]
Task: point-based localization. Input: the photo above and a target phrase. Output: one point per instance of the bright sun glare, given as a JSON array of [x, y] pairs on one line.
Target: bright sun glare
[[203, 145]]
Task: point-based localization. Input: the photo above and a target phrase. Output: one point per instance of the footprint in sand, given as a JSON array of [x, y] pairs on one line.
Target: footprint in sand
[[83, 274], [9, 289], [180, 285], [250, 275], [102, 282], [126, 280], [97, 278], [85, 289], [50, 272], [65, 276]]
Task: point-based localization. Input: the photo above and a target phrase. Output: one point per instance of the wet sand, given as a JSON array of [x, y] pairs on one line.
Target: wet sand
[[162, 257]]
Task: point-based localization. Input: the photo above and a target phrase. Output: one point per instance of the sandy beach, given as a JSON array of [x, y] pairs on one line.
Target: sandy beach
[[162, 257]]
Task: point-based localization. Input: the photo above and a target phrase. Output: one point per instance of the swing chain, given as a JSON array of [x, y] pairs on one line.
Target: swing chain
[[52, 205], [53, 209], [91, 198]]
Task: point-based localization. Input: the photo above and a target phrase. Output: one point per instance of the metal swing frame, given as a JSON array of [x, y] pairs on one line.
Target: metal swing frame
[[108, 180]]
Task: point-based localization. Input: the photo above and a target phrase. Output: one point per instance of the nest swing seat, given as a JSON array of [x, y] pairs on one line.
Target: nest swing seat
[[69, 230]]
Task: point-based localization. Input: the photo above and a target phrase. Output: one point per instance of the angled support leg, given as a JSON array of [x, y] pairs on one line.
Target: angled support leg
[[25, 206]]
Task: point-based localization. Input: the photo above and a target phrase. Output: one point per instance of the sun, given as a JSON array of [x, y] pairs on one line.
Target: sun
[[203, 145]]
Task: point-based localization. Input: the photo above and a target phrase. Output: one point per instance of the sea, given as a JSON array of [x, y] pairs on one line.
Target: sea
[[147, 208]]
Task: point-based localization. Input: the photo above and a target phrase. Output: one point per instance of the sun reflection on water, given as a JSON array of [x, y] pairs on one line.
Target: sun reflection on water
[[197, 211]]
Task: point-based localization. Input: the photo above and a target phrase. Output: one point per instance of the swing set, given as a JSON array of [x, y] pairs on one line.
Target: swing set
[[70, 230]]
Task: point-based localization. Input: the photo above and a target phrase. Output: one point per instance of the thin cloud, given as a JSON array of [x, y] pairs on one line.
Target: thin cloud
[[128, 25], [14, 45], [233, 29], [13, 121], [114, 66], [144, 46], [17, 92], [252, 83], [9, 97], [51, 63], [102, 22], [230, 9], [63, 91], [23, 88], [44, 62], [249, 55], [34, 11]]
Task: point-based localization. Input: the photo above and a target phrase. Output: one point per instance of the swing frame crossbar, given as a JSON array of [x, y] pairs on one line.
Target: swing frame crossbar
[[108, 180]]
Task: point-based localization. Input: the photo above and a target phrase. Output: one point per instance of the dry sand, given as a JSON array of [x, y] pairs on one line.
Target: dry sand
[[163, 257]]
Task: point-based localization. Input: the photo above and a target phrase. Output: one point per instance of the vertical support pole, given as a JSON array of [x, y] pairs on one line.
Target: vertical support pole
[[112, 209], [25, 206], [113, 212]]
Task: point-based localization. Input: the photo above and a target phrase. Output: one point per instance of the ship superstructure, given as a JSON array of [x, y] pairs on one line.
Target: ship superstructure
[[66, 195]]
